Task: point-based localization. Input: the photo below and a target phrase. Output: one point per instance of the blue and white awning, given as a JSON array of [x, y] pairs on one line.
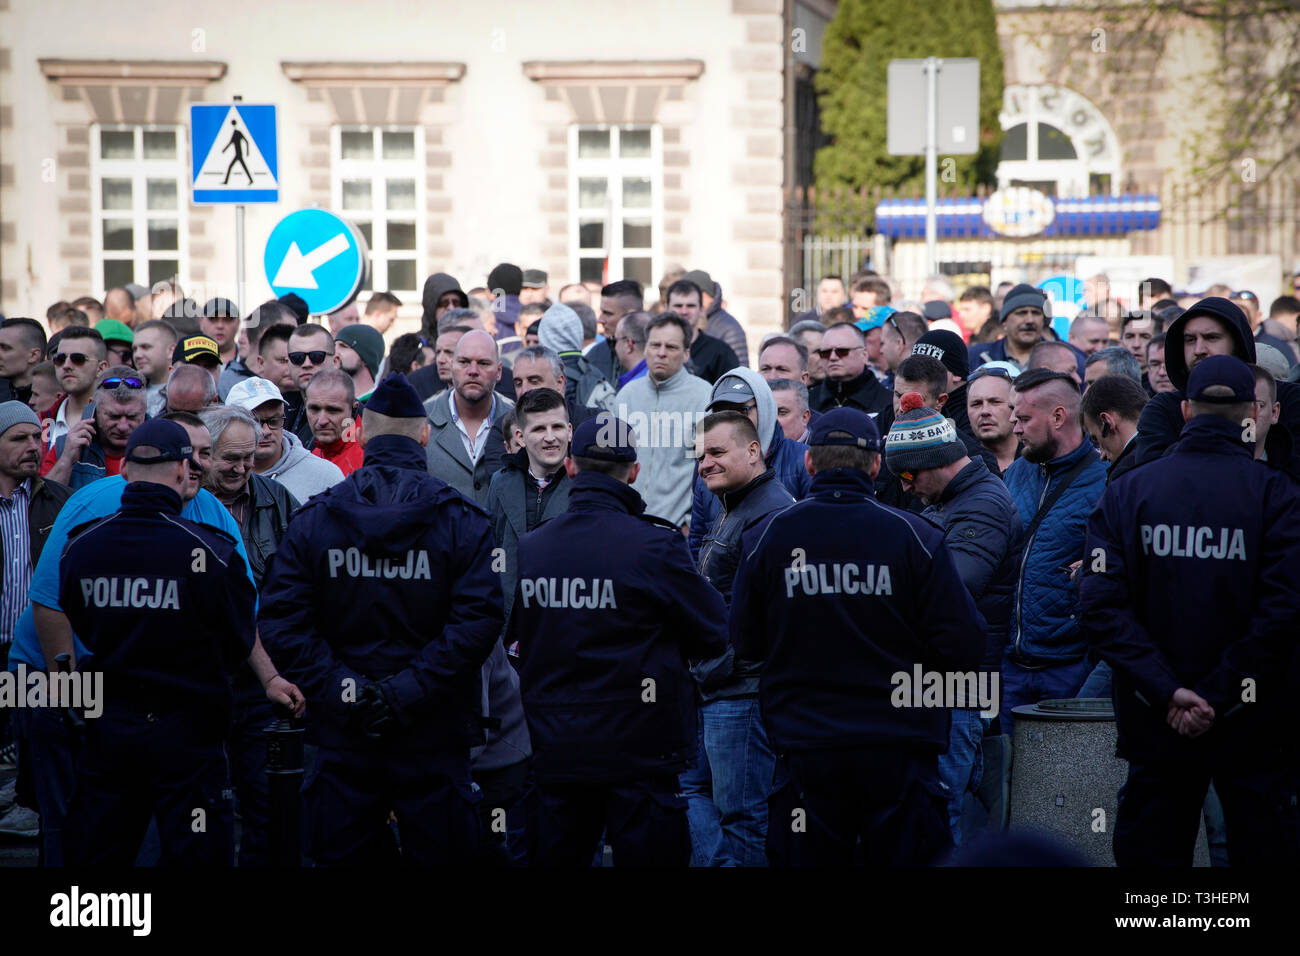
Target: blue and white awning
[[1020, 213]]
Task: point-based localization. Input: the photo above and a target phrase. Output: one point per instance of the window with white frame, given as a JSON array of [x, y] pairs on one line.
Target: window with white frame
[[140, 206], [615, 202], [378, 185]]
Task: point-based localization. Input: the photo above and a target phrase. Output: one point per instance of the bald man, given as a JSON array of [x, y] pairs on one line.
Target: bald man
[[466, 446]]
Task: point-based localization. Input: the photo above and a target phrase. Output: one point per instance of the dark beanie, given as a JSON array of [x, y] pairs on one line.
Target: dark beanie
[[921, 438], [507, 278], [948, 348], [1025, 295], [297, 304], [396, 397]]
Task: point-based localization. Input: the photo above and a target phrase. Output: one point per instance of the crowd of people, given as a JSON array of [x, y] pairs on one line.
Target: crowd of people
[[550, 576]]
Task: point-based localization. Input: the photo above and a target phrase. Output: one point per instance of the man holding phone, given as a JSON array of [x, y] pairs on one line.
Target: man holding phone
[[94, 447], [78, 361]]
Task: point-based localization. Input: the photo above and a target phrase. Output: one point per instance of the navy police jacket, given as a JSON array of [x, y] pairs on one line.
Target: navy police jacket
[[386, 575], [164, 604], [838, 594], [608, 609], [1193, 580]]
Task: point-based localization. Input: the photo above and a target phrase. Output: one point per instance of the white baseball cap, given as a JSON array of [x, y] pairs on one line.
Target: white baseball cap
[[251, 393]]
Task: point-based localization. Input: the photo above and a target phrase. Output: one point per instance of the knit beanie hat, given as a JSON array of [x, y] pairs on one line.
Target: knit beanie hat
[[16, 413], [560, 329], [921, 438]]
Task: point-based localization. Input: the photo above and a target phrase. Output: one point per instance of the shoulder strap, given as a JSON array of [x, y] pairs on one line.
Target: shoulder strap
[[1067, 479]]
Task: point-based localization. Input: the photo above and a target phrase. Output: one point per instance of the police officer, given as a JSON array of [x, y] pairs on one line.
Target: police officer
[[608, 608], [382, 605], [845, 599], [1192, 594], [166, 607]]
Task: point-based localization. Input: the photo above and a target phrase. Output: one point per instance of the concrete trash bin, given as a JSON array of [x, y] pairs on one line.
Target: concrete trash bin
[[1065, 777]]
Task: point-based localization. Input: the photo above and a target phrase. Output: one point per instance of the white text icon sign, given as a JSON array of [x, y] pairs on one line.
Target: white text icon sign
[[233, 155]]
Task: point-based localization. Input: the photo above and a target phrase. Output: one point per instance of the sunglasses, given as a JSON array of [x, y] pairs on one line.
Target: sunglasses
[[78, 359], [839, 352], [317, 356], [131, 383], [996, 372]]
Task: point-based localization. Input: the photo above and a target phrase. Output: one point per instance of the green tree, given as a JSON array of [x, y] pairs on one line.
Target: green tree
[[853, 96]]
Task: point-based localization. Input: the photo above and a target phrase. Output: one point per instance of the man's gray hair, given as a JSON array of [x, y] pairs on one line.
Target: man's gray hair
[[192, 374], [586, 316], [791, 385], [121, 393], [455, 317], [220, 417], [540, 353], [807, 325], [1119, 361]]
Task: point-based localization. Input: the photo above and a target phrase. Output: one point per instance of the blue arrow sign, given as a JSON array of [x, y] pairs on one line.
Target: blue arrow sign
[[317, 255], [233, 153]]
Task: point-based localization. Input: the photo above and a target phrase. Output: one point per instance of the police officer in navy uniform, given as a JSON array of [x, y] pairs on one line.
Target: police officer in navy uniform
[[608, 609], [1192, 593], [382, 605], [166, 607], [839, 595]]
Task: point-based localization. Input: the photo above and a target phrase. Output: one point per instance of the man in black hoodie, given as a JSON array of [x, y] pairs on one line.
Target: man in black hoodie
[[849, 380], [1213, 326], [441, 293]]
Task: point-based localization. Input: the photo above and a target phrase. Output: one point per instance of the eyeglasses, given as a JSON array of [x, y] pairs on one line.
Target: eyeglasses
[[839, 352], [317, 356], [132, 383], [274, 422], [78, 359]]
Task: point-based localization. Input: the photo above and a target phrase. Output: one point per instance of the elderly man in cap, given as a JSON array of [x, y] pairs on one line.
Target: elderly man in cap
[[982, 530], [1026, 312], [167, 610], [383, 604], [604, 634], [280, 455], [360, 349], [871, 593], [535, 288], [1191, 592]]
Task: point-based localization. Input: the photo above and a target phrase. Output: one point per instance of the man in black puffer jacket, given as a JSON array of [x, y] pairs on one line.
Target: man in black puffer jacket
[[982, 530], [1213, 326], [726, 791]]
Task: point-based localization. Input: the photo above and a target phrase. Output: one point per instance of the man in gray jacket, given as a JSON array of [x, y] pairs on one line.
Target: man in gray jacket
[[466, 447], [663, 407], [280, 455]]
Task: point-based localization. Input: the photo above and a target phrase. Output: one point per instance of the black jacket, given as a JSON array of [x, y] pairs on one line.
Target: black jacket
[[982, 528], [47, 498], [265, 523], [607, 610], [724, 676], [1126, 461], [864, 393], [295, 419], [602, 356], [711, 358]]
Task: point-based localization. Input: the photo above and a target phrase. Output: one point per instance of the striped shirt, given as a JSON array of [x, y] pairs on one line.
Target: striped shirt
[[16, 546]]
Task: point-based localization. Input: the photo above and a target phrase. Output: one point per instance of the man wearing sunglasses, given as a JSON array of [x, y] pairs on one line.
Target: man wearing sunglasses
[[311, 349], [94, 447], [849, 382], [79, 360]]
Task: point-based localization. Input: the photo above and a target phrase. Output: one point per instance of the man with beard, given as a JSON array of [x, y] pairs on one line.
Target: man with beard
[[1055, 485], [1025, 312], [95, 446]]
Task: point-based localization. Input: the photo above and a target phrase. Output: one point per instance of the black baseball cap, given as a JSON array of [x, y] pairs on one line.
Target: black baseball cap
[[167, 441], [846, 426], [605, 438], [1220, 371]]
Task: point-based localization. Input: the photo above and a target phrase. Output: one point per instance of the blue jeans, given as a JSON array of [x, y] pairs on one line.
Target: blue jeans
[[54, 771], [1098, 682], [962, 766], [741, 766], [701, 813], [1020, 686]]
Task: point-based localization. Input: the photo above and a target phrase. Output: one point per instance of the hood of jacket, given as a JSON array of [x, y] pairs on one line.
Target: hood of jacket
[[388, 504], [292, 452], [435, 287], [1215, 307], [762, 394]]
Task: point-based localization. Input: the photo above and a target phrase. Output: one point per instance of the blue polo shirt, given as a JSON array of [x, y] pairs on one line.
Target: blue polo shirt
[[97, 500]]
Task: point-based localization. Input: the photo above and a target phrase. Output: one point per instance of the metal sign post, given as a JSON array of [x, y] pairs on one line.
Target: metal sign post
[[931, 161]]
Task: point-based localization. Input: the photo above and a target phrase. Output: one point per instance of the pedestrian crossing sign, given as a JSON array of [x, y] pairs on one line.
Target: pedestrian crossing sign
[[233, 153]]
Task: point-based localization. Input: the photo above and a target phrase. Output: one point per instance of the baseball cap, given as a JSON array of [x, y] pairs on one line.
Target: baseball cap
[[191, 349], [605, 438], [730, 390], [936, 309], [111, 330], [876, 316], [251, 393], [534, 279], [845, 426], [1221, 370], [168, 441]]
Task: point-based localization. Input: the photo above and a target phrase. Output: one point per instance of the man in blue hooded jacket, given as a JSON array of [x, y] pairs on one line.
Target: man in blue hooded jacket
[[382, 603], [1193, 596]]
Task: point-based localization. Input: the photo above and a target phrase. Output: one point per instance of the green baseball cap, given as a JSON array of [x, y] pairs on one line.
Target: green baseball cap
[[114, 331]]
